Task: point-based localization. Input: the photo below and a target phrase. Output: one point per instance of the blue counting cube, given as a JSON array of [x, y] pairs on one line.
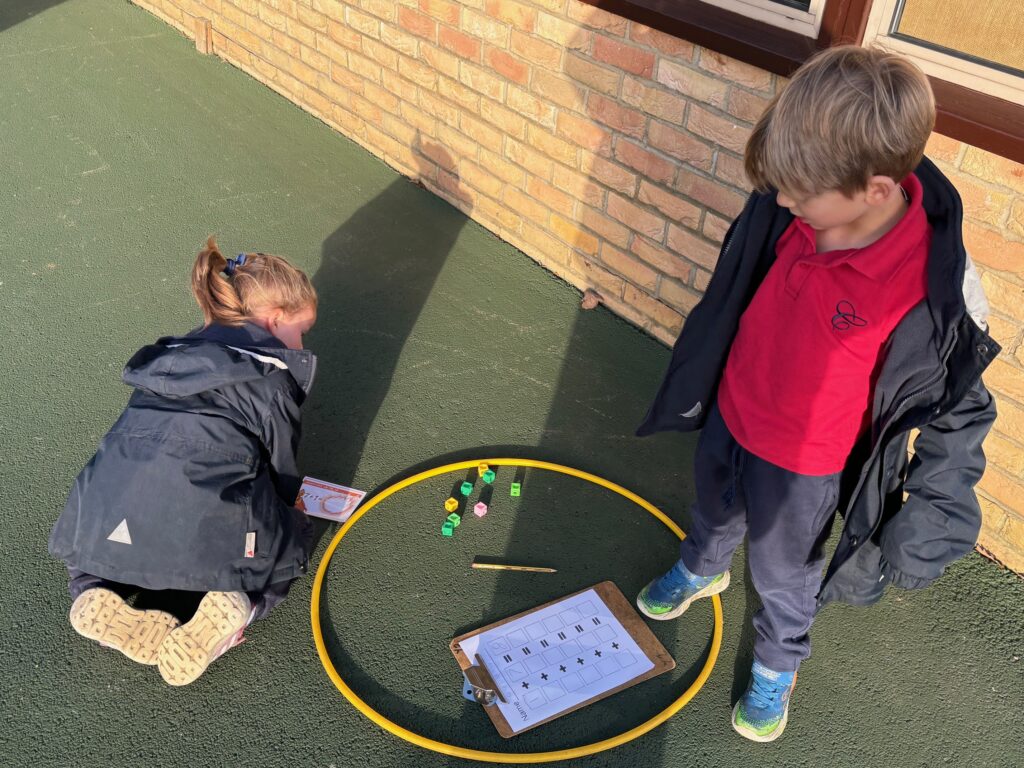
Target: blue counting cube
[[466, 488], [488, 476], [447, 529]]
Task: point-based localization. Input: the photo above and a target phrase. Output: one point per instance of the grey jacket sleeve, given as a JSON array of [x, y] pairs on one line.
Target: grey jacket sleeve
[[941, 518]]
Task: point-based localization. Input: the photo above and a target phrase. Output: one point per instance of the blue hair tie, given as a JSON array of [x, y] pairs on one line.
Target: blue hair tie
[[233, 264]]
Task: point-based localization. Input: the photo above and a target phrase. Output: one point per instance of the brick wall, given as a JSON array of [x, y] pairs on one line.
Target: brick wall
[[607, 151]]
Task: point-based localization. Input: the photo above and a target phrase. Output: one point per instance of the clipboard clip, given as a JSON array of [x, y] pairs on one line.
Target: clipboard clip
[[480, 686]]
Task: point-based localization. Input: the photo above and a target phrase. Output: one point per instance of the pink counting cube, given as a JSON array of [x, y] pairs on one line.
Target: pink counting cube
[[480, 509]]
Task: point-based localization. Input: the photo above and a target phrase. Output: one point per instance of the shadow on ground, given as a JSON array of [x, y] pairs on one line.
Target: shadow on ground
[[17, 11]]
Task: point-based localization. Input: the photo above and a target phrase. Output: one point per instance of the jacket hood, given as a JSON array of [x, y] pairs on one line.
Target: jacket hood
[[213, 357]]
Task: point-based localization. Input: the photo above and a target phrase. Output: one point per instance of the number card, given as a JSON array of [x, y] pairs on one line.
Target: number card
[[327, 500], [563, 655]]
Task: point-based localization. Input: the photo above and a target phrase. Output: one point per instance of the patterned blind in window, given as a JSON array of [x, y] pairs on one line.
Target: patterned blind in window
[[802, 5], [992, 30]]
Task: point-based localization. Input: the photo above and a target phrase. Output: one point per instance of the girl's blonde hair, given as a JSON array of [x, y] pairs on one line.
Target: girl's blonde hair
[[230, 293], [848, 114]]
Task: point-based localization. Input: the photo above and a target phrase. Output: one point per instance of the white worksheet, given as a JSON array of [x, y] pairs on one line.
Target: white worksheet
[[554, 659], [328, 500]]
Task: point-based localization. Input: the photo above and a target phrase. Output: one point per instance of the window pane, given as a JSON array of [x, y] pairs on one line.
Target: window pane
[[992, 31]]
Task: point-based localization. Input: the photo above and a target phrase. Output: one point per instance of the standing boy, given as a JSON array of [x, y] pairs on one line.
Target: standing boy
[[843, 313]]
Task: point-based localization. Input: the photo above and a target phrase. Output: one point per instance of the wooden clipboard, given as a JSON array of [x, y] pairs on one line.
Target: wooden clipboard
[[476, 672]]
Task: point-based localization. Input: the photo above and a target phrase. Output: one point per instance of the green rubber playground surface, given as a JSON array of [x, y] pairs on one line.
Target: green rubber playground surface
[[121, 149]]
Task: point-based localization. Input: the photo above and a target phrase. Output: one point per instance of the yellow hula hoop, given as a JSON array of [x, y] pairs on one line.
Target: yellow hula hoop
[[476, 754]]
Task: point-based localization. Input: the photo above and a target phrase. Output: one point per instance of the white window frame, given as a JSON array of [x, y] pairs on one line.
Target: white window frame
[[978, 77], [806, 23]]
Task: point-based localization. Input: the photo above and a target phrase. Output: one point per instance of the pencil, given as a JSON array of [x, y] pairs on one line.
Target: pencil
[[499, 567]]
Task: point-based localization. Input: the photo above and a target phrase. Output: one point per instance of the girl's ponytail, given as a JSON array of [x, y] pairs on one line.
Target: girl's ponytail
[[256, 283], [217, 298]]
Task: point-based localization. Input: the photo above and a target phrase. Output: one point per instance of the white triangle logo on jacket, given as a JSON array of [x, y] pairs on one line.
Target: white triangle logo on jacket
[[120, 534]]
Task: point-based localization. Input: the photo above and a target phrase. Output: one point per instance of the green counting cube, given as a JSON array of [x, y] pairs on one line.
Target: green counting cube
[[447, 529], [516, 489], [454, 519], [488, 476], [466, 488]]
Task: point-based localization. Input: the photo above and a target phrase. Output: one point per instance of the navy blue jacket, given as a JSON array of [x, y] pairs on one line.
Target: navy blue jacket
[[199, 465], [930, 380]]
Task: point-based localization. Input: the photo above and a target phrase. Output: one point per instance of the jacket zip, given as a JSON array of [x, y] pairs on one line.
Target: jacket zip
[[312, 375], [899, 412], [728, 242], [931, 383]]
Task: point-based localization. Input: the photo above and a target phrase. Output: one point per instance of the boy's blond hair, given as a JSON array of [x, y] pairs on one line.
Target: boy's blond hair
[[848, 114]]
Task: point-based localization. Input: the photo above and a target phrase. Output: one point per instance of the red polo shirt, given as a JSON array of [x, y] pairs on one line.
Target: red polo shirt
[[798, 383]]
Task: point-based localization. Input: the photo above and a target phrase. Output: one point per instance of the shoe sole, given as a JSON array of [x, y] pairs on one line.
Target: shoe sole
[[102, 615], [708, 591], [753, 735], [189, 650]]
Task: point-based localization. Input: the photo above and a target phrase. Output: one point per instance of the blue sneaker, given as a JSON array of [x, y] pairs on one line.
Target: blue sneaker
[[762, 711], [670, 595]]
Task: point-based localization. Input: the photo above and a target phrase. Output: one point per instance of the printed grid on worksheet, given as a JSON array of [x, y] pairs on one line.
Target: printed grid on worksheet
[[558, 657]]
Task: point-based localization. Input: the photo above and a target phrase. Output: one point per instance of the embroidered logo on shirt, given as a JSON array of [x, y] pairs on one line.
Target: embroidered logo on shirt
[[846, 317]]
